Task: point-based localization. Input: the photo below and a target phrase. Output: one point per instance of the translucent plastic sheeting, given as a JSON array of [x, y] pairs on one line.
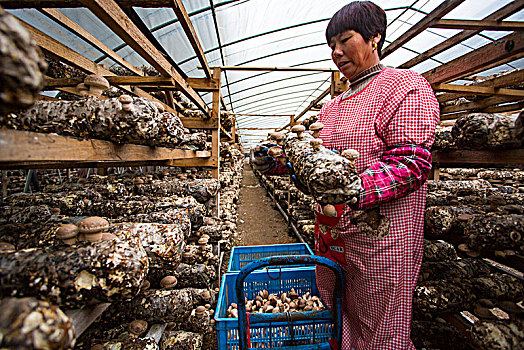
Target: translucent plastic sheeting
[[273, 33]]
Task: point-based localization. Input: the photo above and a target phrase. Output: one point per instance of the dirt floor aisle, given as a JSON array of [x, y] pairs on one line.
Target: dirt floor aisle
[[258, 222]]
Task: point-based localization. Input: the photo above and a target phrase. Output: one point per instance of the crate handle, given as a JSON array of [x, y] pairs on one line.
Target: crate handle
[[289, 260], [274, 278]]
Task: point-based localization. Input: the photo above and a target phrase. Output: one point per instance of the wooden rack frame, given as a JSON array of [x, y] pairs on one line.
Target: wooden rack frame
[[36, 150]]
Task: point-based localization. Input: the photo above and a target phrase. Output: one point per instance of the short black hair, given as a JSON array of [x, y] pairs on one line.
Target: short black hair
[[363, 17]]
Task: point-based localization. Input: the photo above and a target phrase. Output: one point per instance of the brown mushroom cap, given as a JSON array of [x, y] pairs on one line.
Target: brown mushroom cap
[[203, 240], [200, 310], [106, 236], [168, 282], [67, 231], [4, 246], [316, 143], [316, 126], [125, 99], [96, 81], [279, 136], [82, 89], [298, 128], [275, 151], [138, 327], [330, 210], [350, 154], [92, 224]]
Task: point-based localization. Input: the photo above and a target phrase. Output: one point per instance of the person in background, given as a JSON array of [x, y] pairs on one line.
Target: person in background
[[389, 116]]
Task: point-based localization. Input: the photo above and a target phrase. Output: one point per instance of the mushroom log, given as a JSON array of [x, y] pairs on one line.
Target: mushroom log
[[329, 177]]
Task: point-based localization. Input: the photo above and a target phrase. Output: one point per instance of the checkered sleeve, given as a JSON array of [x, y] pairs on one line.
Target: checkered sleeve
[[407, 127], [401, 171]]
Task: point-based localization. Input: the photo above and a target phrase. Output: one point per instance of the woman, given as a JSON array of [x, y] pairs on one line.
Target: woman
[[389, 117]]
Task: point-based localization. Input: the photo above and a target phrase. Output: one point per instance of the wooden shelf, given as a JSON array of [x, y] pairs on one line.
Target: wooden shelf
[[82, 318], [24, 149], [479, 159]]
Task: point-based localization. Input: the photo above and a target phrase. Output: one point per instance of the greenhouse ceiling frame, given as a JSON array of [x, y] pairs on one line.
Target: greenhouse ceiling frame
[[493, 95]]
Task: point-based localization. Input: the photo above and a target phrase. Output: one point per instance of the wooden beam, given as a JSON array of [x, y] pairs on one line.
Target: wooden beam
[[82, 318], [84, 34], [478, 25], [25, 146], [479, 159], [200, 84], [477, 90], [215, 117], [501, 51], [433, 16], [185, 21], [203, 84], [15, 4], [498, 15], [257, 128], [116, 19], [63, 53], [313, 103], [513, 78], [477, 105], [263, 115], [282, 69]]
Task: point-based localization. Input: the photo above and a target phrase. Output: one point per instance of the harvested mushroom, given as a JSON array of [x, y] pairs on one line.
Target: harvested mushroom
[[168, 282], [97, 84], [67, 233], [92, 228]]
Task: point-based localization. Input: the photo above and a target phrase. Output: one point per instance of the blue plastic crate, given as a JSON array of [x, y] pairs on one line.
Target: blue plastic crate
[[275, 334], [243, 255]]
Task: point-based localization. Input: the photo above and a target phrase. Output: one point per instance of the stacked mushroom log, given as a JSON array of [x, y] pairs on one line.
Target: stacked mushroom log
[[124, 119], [175, 233], [477, 212]]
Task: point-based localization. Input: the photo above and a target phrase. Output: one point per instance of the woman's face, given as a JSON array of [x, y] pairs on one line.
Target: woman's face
[[352, 54]]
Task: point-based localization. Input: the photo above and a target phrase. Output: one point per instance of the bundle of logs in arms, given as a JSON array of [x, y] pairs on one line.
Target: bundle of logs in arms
[[471, 215], [145, 242]]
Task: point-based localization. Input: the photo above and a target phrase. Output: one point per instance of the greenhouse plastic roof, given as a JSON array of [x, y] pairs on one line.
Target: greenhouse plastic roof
[[272, 33]]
